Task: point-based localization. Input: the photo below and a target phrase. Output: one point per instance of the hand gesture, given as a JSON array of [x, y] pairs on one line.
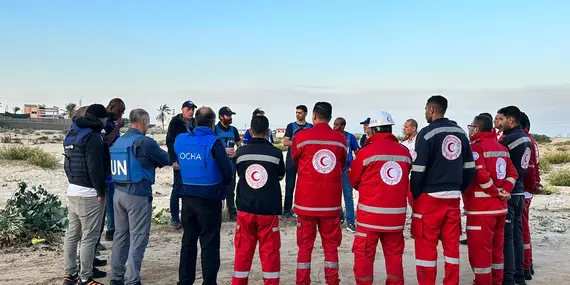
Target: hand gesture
[[230, 151], [176, 166], [120, 123]]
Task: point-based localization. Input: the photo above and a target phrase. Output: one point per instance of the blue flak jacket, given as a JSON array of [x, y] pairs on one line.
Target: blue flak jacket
[[75, 163], [225, 136], [200, 171], [125, 167]]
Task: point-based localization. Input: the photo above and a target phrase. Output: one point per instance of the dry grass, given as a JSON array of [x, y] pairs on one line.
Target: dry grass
[[556, 157], [560, 177], [33, 155]]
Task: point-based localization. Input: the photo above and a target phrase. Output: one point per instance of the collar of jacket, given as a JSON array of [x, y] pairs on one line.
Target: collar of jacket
[[513, 130], [382, 136], [322, 125], [526, 132], [410, 137], [440, 120], [259, 141], [133, 131], [483, 135], [203, 131]]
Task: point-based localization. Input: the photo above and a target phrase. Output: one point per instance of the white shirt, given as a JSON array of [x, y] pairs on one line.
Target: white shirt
[[80, 191], [410, 143]]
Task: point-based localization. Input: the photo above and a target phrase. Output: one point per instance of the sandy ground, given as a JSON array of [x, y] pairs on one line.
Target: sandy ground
[[550, 221]]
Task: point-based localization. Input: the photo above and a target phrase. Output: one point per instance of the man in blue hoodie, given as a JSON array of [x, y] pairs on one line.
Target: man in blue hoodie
[[206, 171], [134, 158], [352, 142]]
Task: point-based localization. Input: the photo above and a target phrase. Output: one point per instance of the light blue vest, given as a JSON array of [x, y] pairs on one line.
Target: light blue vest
[[125, 168]]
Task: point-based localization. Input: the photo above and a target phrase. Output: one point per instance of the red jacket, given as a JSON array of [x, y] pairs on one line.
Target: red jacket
[[494, 171], [532, 176], [380, 173], [320, 154]]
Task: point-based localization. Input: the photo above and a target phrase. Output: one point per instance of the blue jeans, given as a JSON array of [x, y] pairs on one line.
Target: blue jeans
[[348, 200], [174, 198], [110, 212]]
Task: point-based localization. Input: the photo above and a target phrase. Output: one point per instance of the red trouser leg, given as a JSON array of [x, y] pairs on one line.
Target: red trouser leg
[[269, 245], [393, 246], [526, 235], [427, 220], [480, 234], [245, 243], [450, 233], [364, 249], [306, 235], [497, 266], [331, 237]]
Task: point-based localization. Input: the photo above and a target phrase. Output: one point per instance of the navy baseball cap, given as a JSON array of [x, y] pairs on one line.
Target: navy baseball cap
[[226, 111], [189, 104], [365, 122]]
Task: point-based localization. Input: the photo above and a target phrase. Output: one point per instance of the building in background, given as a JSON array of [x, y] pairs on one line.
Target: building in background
[[40, 111]]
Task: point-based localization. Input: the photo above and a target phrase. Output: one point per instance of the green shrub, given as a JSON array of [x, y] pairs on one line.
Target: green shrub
[[556, 157], [160, 218], [541, 138], [545, 165], [34, 155], [33, 212], [560, 177], [11, 228], [564, 143], [562, 148], [281, 147]]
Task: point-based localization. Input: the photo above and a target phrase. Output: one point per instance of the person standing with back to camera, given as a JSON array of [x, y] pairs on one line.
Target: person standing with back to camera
[[260, 167], [319, 153]]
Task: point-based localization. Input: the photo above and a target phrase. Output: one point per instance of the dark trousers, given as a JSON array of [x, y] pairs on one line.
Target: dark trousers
[[290, 179], [201, 220], [174, 198], [514, 250], [231, 196]]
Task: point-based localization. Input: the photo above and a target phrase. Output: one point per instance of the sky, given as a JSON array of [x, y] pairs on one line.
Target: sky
[[362, 56]]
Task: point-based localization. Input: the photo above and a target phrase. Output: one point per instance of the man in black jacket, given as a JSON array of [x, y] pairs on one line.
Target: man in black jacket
[[84, 167], [520, 146], [442, 170], [181, 123], [260, 167]]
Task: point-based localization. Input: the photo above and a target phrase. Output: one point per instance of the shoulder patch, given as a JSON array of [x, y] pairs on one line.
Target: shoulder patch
[[475, 155]]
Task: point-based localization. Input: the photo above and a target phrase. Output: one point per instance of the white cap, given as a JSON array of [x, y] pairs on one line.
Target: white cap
[[381, 118]]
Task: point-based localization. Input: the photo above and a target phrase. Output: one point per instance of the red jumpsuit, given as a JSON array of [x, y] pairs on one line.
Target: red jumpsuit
[[380, 174], [531, 179], [485, 210], [320, 154]]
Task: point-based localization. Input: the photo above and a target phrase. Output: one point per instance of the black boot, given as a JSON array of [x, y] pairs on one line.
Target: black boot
[[532, 269], [527, 275]]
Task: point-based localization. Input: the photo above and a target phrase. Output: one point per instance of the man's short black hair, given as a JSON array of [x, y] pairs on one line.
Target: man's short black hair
[[258, 111], [525, 121], [487, 114], [259, 125], [302, 108], [484, 123], [205, 117], [438, 102], [511, 111], [413, 122], [323, 111], [342, 121]]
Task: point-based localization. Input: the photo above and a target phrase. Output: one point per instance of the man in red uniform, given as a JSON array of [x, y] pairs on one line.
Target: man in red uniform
[[320, 154], [531, 181], [260, 167], [380, 174], [485, 202]]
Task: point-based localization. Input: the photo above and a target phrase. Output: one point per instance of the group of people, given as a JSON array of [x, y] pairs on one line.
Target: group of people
[[493, 168]]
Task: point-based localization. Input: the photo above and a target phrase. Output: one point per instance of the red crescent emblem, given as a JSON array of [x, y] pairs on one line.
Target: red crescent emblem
[[389, 172], [253, 176], [321, 161], [449, 146]]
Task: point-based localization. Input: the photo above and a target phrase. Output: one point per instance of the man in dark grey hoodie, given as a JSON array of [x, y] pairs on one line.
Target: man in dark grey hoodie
[[84, 168]]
